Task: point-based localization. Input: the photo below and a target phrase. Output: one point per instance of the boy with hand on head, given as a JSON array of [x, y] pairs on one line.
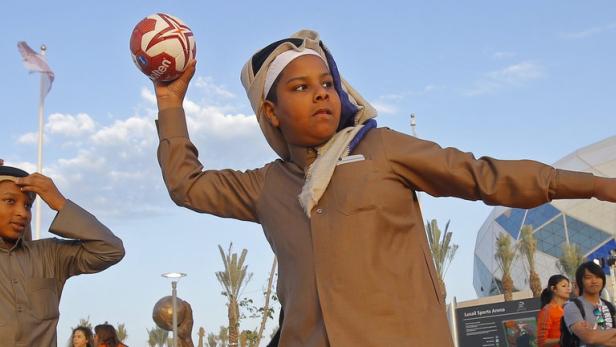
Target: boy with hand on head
[[33, 273], [339, 208]]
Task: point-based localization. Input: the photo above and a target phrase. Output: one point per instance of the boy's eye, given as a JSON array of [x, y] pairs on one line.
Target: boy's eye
[[9, 201], [328, 84], [300, 88]]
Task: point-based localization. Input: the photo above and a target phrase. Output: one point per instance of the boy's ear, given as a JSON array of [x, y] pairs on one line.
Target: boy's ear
[[268, 111]]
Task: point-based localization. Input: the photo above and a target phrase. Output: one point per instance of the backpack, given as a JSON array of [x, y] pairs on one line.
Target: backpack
[[568, 339]]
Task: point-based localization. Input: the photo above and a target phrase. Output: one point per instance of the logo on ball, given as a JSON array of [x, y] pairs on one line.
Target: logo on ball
[[162, 46], [142, 60]]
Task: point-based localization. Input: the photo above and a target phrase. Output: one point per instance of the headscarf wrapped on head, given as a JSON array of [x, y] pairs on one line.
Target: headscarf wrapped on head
[[355, 118], [9, 173]]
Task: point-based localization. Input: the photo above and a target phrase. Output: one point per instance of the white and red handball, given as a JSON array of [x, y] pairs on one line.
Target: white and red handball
[[162, 46]]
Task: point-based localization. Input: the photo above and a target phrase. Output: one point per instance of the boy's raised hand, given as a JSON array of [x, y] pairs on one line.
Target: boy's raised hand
[[44, 187], [605, 189], [171, 94]]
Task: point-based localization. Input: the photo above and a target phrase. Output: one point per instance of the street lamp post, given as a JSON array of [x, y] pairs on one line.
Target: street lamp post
[[174, 277]]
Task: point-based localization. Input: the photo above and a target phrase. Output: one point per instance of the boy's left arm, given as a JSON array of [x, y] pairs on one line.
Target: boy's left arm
[[425, 166], [92, 248], [605, 188]]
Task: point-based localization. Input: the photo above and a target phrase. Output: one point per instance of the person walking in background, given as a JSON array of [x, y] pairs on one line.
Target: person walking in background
[[553, 298], [106, 336], [82, 337]]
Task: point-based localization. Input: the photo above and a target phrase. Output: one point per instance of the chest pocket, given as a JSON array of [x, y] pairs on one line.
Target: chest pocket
[[43, 297], [354, 187]]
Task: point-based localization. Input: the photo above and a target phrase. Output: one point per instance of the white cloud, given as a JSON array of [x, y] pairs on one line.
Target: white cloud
[[84, 160], [384, 108], [147, 94], [68, 125], [110, 166], [503, 55], [388, 103], [210, 88], [582, 34], [510, 76], [517, 73], [209, 120], [134, 131], [29, 139]]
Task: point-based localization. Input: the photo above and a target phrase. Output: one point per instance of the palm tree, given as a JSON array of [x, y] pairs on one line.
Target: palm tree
[[233, 279], [201, 334], [223, 336], [121, 331], [151, 339], [504, 256], [528, 247], [157, 337], [267, 311], [243, 339], [248, 338], [442, 250], [85, 322], [569, 261], [212, 340]]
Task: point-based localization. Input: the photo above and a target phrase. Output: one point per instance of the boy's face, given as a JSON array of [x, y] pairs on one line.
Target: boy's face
[[15, 214], [308, 107], [593, 284]]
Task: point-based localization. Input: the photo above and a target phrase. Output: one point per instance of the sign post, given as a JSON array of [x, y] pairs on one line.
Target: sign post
[[502, 324]]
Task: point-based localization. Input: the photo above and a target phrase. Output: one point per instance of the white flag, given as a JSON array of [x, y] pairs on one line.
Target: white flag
[[36, 62]]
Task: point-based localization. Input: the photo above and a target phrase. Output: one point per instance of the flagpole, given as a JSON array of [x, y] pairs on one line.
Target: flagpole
[[39, 163]]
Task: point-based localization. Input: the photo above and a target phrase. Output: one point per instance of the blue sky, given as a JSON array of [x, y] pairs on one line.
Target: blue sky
[[520, 80]]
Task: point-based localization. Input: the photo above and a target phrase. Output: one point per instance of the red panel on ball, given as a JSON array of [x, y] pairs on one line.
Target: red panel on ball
[[143, 27], [161, 67]]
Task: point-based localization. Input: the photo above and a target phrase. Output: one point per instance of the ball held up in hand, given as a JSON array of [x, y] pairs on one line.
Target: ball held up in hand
[[161, 46]]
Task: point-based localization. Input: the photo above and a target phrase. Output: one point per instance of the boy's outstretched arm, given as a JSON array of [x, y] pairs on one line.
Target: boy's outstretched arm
[[605, 189], [425, 166]]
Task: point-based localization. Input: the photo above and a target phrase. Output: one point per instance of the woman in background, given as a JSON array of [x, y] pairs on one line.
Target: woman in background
[[82, 337], [106, 336], [553, 298]]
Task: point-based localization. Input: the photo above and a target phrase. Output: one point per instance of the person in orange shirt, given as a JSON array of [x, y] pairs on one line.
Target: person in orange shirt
[[106, 336], [553, 298]]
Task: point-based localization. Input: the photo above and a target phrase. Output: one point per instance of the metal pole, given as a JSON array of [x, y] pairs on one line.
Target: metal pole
[[175, 312], [39, 163], [453, 321], [613, 280]]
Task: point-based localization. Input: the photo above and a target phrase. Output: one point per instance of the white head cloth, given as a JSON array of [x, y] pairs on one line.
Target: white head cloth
[[320, 172], [281, 61]]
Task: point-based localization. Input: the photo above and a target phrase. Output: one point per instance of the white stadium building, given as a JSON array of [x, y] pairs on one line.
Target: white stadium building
[[590, 224]]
